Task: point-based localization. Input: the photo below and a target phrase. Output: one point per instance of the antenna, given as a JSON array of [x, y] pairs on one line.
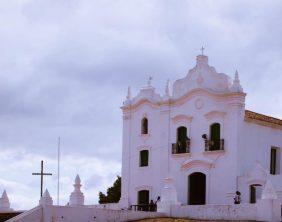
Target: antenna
[[58, 186]]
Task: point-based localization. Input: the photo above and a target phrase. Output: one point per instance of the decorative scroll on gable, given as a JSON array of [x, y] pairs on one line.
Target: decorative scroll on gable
[[147, 94], [202, 76]]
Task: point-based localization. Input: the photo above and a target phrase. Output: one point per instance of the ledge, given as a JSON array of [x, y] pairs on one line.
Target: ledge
[[179, 155], [144, 168], [145, 135], [214, 152]]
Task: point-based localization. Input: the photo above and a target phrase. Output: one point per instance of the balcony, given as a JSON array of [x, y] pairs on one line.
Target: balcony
[[181, 147], [211, 145]]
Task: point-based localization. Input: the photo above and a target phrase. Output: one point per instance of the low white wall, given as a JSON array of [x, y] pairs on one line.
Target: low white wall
[[75, 214], [111, 206], [33, 215], [215, 212]]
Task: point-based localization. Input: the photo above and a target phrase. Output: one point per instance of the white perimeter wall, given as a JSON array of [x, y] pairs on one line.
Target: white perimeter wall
[[216, 212], [83, 214]]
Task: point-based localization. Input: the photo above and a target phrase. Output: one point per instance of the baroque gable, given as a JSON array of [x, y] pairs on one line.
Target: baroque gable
[[202, 76]]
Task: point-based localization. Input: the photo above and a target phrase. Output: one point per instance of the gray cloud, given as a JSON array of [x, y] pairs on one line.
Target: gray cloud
[[65, 66]]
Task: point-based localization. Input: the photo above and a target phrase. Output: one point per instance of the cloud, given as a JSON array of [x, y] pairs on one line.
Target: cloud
[[65, 66], [19, 165]]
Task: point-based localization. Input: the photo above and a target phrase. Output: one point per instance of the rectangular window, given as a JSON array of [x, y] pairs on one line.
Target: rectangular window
[[144, 158], [274, 161]]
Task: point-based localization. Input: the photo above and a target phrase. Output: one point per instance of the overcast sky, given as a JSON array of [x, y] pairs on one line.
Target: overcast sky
[[65, 66]]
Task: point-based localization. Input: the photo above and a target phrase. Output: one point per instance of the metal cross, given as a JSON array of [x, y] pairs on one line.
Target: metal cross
[[41, 174], [150, 80], [202, 49]]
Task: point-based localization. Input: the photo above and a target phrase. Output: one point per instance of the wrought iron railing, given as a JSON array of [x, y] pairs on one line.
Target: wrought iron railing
[[179, 147], [211, 145]]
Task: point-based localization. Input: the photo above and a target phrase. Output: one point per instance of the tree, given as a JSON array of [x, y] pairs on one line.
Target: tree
[[113, 193]]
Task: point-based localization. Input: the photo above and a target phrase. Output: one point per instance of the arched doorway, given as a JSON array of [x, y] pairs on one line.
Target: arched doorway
[[197, 189]]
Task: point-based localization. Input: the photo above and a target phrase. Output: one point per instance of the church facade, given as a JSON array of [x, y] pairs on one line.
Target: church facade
[[199, 139]]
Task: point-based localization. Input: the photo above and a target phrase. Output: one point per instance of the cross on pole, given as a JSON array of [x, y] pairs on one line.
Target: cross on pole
[[41, 174], [202, 49]]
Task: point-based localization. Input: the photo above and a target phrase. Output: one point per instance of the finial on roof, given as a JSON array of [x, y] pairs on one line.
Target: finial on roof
[[5, 203], [202, 60], [46, 193], [236, 86], [4, 195], [150, 81], [128, 97], [77, 197], [46, 199], [237, 76], [202, 49], [77, 180]]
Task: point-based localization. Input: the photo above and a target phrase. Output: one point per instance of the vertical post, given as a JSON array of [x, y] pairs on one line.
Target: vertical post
[[41, 185], [58, 185]]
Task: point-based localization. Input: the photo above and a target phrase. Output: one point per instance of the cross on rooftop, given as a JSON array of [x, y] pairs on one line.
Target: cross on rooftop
[[41, 174], [202, 49], [150, 80]]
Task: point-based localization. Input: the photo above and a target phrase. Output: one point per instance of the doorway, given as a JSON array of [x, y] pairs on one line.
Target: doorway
[[255, 192], [197, 189]]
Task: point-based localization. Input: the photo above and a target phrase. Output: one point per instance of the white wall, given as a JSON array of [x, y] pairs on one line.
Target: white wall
[[216, 212], [198, 100], [75, 214], [33, 215], [255, 146]]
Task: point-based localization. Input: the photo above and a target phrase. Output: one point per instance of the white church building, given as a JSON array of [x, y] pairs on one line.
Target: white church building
[[199, 139], [190, 151]]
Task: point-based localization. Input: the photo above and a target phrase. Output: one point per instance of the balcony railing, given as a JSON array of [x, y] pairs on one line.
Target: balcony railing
[[181, 147], [211, 145]]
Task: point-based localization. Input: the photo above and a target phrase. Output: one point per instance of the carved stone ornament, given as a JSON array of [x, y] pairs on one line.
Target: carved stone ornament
[[199, 103]]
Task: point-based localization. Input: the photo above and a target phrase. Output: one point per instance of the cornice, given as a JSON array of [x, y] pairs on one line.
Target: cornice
[[181, 100], [206, 92], [141, 102], [181, 117], [263, 120]]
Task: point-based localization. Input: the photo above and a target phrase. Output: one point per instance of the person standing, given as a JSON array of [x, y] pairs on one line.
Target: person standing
[[237, 198]]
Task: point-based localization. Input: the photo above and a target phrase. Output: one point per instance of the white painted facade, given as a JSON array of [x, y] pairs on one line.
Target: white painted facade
[[202, 98], [198, 100]]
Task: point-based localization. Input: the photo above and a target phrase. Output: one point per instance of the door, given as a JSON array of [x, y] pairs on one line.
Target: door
[[197, 189], [143, 200], [255, 192]]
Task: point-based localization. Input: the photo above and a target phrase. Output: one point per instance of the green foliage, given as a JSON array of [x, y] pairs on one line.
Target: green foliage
[[113, 193]]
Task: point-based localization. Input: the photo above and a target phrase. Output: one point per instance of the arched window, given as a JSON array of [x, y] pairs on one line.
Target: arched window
[[144, 158], [144, 126], [215, 137], [182, 139]]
